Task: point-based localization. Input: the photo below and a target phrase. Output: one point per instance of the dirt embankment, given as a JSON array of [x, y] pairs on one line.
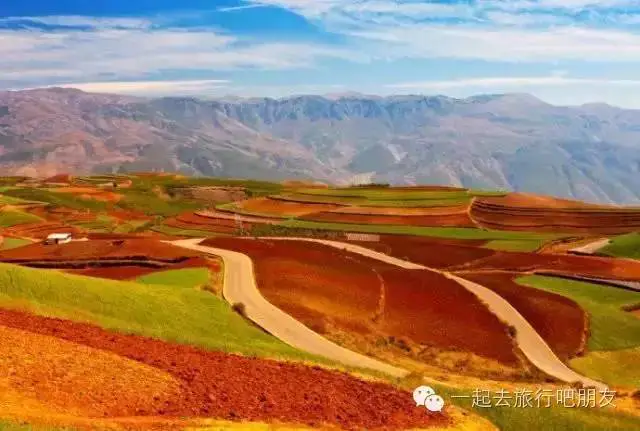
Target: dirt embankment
[[224, 386]]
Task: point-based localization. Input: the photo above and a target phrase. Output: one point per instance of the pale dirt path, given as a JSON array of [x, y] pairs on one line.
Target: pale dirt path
[[240, 287], [592, 247], [529, 341]]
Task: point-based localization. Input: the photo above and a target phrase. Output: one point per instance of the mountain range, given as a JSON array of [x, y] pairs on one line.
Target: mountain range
[[508, 141]]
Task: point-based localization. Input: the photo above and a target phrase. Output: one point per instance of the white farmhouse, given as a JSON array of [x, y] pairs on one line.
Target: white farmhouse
[[58, 238]]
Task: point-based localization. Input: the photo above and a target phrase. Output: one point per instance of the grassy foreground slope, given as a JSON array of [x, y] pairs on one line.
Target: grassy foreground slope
[[627, 245], [186, 316], [187, 277], [614, 333]]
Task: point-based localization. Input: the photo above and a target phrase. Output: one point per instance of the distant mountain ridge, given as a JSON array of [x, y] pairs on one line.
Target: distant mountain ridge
[[511, 141]]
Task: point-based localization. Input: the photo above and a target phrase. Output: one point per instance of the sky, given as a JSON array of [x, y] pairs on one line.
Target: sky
[[566, 52]]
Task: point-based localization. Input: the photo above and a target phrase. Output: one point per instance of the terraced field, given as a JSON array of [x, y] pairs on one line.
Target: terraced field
[[539, 214], [326, 288]]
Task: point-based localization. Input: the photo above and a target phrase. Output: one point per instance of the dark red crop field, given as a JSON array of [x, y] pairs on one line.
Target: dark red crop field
[[460, 219], [362, 295], [225, 386], [559, 320]]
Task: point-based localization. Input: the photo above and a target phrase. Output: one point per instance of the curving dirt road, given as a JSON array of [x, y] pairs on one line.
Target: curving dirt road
[[240, 286]]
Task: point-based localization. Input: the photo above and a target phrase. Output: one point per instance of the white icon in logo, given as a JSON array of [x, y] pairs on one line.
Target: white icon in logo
[[426, 396]]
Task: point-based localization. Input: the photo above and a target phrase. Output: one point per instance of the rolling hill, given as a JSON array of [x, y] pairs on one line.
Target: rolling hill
[[511, 141]]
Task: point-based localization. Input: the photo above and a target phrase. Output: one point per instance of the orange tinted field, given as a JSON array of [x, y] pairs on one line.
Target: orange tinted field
[[211, 224], [399, 211], [519, 211], [42, 230], [189, 382], [90, 193], [563, 264], [280, 208], [321, 285], [460, 219], [559, 320]]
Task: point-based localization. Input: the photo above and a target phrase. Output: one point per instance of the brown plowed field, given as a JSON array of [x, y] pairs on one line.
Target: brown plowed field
[[206, 223], [542, 214], [234, 216], [431, 252], [42, 230], [599, 267], [395, 211], [74, 378], [280, 208], [319, 285], [60, 178], [138, 249], [559, 320], [90, 193], [459, 219], [132, 271], [225, 386]]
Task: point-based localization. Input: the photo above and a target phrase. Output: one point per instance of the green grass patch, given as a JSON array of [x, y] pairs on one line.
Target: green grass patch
[[194, 233], [618, 367], [555, 418], [623, 246], [358, 201], [186, 316], [13, 218], [9, 243], [10, 200], [67, 200], [611, 327], [186, 277], [147, 201], [440, 232], [384, 194], [515, 245]]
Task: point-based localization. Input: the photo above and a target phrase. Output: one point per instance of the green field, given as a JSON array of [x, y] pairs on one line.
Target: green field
[[13, 218], [555, 418], [187, 277], [186, 316], [67, 200], [439, 232], [193, 233], [614, 333], [623, 246], [515, 245], [9, 243]]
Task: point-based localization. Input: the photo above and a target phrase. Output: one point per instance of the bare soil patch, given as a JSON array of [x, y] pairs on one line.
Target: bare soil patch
[[282, 208], [321, 285], [225, 386], [90, 193], [559, 320], [459, 219], [399, 211]]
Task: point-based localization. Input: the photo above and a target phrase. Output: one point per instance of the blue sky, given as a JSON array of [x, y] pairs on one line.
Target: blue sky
[[563, 51]]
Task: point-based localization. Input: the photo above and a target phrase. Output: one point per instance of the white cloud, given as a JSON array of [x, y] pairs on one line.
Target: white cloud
[[80, 21], [151, 88], [504, 83]]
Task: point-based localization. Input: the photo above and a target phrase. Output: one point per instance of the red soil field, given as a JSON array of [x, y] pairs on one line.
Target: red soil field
[[559, 320], [599, 267], [138, 249], [60, 179], [395, 211], [90, 193], [460, 219], [280, 208], [518, 211], [316, 284], [225, 386], [42, 230], [73, 378], [432, 252], [234, 216], [129, 272], [206, 223]]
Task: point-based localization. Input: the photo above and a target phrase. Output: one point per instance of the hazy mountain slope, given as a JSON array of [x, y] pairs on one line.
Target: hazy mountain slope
[[512, 141]]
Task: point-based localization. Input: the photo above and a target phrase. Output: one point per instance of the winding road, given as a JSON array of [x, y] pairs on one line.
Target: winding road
[[240, 286]]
